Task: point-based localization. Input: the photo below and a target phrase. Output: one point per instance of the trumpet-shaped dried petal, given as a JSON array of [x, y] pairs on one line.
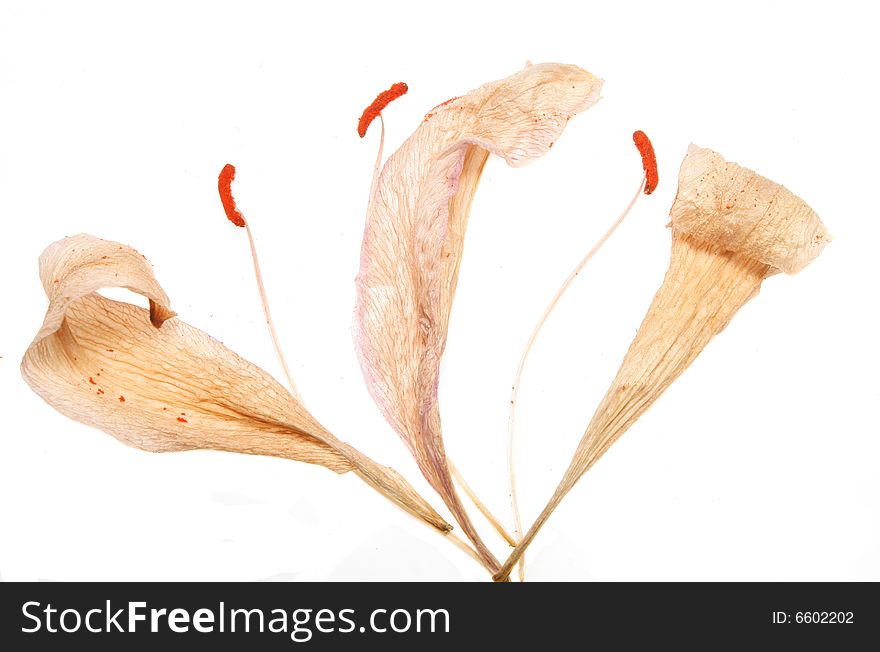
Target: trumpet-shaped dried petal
[[738, 210], [723, 247], [177, 387], [414, 238]]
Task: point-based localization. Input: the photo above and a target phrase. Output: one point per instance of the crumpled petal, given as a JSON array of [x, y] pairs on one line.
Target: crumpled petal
[[159, 384], [740, 211], [414, 238]]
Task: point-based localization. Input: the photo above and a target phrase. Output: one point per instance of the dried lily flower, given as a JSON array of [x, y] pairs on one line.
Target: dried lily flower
[[413, 242], [731, 229], [158, 384]]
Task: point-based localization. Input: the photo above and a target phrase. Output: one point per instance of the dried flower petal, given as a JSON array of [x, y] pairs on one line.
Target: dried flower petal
[[737, 210], [162, 368], [731, 228], [414, 238]]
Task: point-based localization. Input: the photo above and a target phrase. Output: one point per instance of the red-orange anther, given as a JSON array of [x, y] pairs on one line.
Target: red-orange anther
[[224, 185], [382, 100], [649, 160]]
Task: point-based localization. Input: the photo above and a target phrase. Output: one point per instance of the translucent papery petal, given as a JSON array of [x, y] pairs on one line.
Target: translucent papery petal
[[738, 210], [414, 238]]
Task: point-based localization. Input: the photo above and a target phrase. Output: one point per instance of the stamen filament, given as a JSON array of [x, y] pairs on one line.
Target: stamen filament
[[268, 315], [377, 168], [514, 393], [224, 184]]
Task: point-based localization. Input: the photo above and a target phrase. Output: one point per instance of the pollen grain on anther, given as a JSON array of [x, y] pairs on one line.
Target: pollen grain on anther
[[649, 160], [382, 100], [224, 185]]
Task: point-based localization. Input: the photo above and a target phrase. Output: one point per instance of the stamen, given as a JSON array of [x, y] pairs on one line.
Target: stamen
[[649, 161], [224, 183], [648, 184], [382, 100], [371, 113]]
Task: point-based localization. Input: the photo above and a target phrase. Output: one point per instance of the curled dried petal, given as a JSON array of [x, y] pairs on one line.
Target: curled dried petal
[[91, 349], [740, 211], [414, 238]]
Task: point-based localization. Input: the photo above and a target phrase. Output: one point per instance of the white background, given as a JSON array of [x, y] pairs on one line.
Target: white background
[[761, 462]]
